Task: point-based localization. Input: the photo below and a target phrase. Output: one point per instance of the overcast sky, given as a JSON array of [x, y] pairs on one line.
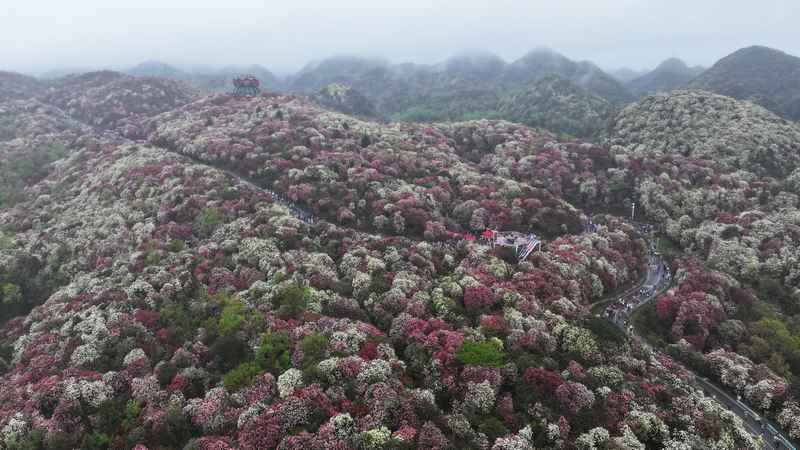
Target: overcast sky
[[38, 35]]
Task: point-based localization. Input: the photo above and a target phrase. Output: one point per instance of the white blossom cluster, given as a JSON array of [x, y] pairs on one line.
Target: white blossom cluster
[[289, 381]]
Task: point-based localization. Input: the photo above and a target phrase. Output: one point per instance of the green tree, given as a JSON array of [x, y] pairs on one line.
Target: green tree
[[208, 221], [291, 302], [11, 293], [313, 347], [33, 441], [275, 352], [132, 411], [242, 376], [24, 168], [96, 441], [232, 318]]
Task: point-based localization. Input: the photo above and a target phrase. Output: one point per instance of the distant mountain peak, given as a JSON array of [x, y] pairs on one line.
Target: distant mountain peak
[[153, 63], [759, 49], [544, 54], [671, 74], [344, 98], [761, 74], [475, 64], [543, 51], [475, 55], [672, 64], [626, 74], [17, 86], [541, 61], [154, 68]]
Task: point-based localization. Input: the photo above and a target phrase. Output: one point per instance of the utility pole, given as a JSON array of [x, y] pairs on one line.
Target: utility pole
[[633, 210]]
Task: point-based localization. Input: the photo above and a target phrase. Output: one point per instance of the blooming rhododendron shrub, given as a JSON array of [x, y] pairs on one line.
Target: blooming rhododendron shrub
[[574, 396], [477, 299]]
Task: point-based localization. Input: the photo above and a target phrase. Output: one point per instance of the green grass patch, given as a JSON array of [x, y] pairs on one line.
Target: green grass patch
[[483, 354]]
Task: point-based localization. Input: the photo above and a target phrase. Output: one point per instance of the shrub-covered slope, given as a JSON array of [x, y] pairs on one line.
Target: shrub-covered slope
[[731, 213], [557, 105], [15, 86], [32, 135], [709, 126], [111, 100], [394, 178], [192, 309], [346, 100]]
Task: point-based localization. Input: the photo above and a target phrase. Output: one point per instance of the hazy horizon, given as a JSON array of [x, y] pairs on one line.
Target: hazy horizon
[[42, 35]]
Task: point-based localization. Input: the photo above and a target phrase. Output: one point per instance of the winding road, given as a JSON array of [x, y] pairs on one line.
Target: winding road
[[658, 280]]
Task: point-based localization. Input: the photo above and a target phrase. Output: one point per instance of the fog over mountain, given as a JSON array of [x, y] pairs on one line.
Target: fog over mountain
[[284, 36]]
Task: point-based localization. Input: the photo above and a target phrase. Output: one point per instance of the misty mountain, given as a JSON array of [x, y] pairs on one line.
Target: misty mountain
[[768, 77], [221, 80], [468, 85], [557, 105], [388, 90], [215, 80], [543, 62], [64, 72], [626, 74], [345, 99], [108, 99], [475, 65], [669, 75], [404, 92], [14, 86], [157, 69], [352, 70]]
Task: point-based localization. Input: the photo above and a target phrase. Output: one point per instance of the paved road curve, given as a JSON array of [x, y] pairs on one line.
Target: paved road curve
[[658, 280]]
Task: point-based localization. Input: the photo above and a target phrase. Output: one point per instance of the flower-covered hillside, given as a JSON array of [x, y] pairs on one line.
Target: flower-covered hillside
[[396, 178], [721, 329], [734, 206], [111, 100], [15, 86], [32, 118], [32, 135], [735, 133], [189, 310]]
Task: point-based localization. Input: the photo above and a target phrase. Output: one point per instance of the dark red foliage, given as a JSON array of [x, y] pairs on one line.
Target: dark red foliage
[[265, 431], [431, 438], [369, 350], [744, 297], [147, 317], [615, 407], [666, 307], [543, 381], [478, 299]]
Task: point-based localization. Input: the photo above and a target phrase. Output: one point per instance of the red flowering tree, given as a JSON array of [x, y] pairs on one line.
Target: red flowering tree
[[543, 382], [478, 299]]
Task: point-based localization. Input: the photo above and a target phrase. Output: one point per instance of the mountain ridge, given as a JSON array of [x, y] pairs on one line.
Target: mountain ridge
[[671, 74], [761, 74]]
